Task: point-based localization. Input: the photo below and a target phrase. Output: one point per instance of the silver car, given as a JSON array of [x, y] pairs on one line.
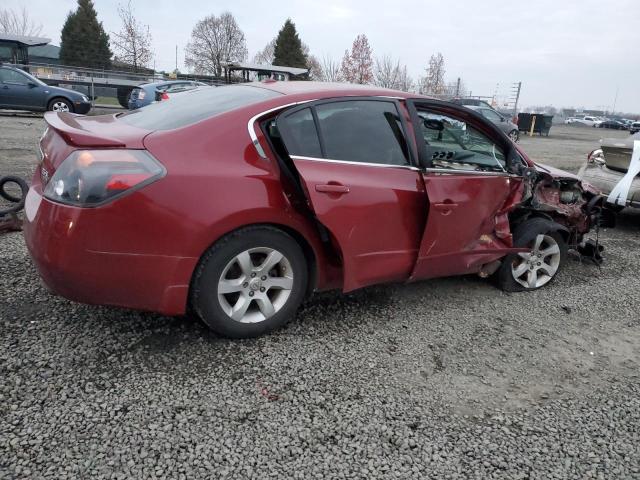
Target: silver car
[[608, 165], [504, 124]]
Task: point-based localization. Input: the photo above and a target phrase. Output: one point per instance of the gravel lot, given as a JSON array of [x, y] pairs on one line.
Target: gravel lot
[[449, 378]]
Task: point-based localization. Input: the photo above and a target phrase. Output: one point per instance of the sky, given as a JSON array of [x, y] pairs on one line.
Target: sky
[[566, 53]]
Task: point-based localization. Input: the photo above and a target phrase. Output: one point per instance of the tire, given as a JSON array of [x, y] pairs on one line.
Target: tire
[[514, 135], [263, 300], [123, 95], [60, 104], [543, 268]]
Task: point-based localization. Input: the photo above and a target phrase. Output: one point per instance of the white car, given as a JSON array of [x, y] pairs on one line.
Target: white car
[[589, 121]]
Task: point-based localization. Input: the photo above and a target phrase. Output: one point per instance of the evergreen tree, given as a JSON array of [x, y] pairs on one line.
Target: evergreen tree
[[288, 51], [83, 41]]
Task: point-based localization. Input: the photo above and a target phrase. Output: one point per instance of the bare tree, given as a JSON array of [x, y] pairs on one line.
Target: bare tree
[[132, 45], [433, 82], [386, 72], [315, 68], [215, 40], [18, 23], [357, 65], [405, 82], [330, 70], [266, 55]]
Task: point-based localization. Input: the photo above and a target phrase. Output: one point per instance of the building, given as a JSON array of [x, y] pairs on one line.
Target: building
[[15, 48]]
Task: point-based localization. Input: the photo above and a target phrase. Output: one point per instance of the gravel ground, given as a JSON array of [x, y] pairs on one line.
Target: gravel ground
[[449, 378]]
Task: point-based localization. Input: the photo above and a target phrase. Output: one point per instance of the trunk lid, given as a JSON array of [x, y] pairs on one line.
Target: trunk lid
[[67, 132]]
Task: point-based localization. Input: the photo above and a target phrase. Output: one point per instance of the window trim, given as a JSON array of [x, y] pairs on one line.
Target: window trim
[[412, 160]]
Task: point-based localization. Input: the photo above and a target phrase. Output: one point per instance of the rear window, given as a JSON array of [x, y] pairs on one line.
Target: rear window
[[191, 107]]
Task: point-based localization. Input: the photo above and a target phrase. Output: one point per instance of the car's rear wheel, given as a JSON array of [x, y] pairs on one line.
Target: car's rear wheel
[[537, 267], [60, 105], [514, 135], [250, 282]]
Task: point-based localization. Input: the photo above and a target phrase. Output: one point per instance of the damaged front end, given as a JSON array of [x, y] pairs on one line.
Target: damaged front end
[[575, 206]]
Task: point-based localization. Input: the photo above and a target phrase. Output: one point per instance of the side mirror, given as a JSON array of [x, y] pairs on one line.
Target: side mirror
[[432, 124]]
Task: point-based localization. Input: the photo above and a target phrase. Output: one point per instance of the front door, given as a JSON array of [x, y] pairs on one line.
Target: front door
[[361, 182], [470, 189]]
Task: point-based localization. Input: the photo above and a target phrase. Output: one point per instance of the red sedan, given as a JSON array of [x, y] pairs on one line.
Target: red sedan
[[238, 201]]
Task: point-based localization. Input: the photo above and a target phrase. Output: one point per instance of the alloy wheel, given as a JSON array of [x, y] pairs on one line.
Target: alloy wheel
[[536, 268], [513, 135], [60, 107], [255, 285]]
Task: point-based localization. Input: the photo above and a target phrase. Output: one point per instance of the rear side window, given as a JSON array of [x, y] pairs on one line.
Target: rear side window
[[303, 140], [193, 106], [363, 131], [11, 76]]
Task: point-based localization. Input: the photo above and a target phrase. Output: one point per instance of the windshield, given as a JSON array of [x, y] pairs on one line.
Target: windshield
[[193, 106]]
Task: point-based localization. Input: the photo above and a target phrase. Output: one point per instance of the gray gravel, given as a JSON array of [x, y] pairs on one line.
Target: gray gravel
[[449, 378]]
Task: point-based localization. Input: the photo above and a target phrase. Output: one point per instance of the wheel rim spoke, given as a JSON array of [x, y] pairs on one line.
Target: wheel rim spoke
[[553, 249], [283, 283], [532, 278], [519, 270], [240, 308], [271, 261], [245, 263], [539, 239], [230, 286], [266, 306], [548, 269]]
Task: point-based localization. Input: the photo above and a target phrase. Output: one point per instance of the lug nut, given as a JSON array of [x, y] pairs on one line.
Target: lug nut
[[251, 294], [539, 263], [263, 278], [262, 289], [245, 284], [253, 274]]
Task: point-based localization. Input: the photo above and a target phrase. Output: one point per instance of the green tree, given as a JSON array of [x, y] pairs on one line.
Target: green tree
[[288, 51], [83, 41]]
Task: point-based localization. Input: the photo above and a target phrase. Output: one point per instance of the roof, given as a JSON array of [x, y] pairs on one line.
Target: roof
[[265, 68], [28, 41], [324, 88], [45, 51]]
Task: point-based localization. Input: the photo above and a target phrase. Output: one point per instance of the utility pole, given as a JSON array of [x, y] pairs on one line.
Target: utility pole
[[458, 88], [615, 100], [516, 87], [176, 59]]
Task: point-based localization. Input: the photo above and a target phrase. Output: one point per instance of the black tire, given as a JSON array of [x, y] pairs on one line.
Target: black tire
[[204, 289], [54, 101], [8, 196], [123, 97], [524, 236]]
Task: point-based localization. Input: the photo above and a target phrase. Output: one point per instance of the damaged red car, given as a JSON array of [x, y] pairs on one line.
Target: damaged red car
[[236, 202]]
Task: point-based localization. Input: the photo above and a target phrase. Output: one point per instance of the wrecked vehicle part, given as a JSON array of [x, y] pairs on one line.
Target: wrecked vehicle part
[[9, 221]]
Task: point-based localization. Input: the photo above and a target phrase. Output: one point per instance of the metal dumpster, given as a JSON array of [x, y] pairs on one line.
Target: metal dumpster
[[542, 125]]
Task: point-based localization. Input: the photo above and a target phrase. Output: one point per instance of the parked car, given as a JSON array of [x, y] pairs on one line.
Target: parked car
[[20, 90], [634, 128], [145, 94], [613, 125], [504, 124], [589, 121], [607, 165], [474, 102], [236, 202]]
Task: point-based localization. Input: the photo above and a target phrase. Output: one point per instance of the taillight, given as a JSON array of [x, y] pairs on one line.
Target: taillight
[[89, 178]]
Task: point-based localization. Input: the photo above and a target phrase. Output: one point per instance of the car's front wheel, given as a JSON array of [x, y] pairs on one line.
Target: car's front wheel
[[539, 265], [514, 135], [60, 105], [250, 282]]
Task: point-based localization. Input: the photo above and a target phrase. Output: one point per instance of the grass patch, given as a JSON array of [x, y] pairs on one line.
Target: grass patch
[[106, 101]]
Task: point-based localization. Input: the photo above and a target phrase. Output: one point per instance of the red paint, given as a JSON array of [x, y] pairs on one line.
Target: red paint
[[140, 250]]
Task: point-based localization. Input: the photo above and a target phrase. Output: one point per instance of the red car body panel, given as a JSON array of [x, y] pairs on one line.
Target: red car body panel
[[141, 250]]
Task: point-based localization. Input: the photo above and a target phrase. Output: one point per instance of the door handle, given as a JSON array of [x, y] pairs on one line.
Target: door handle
[[332, 188]]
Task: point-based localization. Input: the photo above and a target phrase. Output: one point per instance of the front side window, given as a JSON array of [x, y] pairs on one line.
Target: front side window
[[454, 144], [491, 115], [366, 131], [11, 76]]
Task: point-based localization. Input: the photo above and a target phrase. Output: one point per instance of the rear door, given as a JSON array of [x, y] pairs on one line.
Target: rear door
[[361, 181], [470, 189]]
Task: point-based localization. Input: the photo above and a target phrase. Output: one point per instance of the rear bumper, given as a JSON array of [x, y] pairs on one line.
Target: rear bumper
[[606, 179], [61, 241]]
